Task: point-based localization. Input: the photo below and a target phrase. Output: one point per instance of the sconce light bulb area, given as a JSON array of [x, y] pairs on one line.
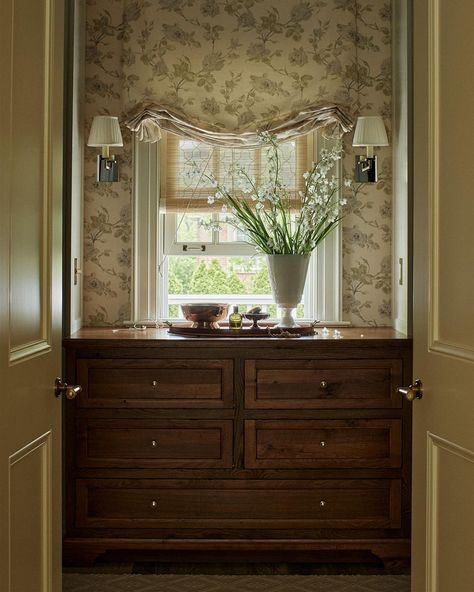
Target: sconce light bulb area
[[104, 134], [369, 132]]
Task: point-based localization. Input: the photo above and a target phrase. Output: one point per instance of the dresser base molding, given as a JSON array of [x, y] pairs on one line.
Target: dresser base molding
[[83, 552]]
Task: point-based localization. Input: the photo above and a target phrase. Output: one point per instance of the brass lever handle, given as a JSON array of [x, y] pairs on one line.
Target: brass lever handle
[[412, 392], [63, 388]]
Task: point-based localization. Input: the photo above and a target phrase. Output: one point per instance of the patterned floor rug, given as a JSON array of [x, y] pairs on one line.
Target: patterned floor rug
[[209, 583]]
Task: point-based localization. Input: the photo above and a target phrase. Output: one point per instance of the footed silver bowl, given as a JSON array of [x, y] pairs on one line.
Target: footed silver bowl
[[255, 317]]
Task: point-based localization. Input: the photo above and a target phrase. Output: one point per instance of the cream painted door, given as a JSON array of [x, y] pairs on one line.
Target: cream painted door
[[443, 443], [31, 113]]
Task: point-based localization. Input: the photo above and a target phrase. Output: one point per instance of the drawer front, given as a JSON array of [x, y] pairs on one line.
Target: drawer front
[[143, 443], [307, 444], [156, 383], [227, 504], [315, 384]]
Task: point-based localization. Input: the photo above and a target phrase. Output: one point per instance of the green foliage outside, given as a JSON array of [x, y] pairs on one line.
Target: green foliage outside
[[207, 278], [242, 264], [188, 275], [175, 285], [180, 273], [260, 282], [173, 311]]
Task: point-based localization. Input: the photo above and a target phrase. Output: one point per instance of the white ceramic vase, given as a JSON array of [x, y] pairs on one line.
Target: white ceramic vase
[[287, 275]]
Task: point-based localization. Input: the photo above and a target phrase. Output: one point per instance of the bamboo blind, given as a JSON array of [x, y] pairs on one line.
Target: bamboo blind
[[182, 193]]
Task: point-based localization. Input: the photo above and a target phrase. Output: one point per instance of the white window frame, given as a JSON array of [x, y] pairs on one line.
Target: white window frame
[[323, 293]]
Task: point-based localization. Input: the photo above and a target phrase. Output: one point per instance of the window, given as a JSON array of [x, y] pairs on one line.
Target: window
[[178, 259], [211, 265]]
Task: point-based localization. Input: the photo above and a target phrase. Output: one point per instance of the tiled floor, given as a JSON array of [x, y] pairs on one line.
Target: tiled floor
[[73, 582], [185, 576]]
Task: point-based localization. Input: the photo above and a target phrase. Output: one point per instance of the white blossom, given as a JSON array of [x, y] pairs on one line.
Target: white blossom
[[320, 202]]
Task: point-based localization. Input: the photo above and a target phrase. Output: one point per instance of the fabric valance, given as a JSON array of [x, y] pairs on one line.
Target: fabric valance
[[147, 122]]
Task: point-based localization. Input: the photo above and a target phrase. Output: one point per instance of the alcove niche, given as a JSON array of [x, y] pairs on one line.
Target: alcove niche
[[101, 271]]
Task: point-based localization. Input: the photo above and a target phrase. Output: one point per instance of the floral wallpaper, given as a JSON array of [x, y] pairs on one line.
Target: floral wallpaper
[[232, 64]]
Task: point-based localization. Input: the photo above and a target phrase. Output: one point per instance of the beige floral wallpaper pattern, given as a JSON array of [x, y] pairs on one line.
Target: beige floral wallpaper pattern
[[232, 64]]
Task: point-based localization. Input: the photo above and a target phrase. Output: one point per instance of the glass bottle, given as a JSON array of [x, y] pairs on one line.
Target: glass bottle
[[235, 319]]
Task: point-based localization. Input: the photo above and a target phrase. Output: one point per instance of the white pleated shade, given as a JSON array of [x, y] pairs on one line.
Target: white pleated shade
[[105, 131], [370, 131]]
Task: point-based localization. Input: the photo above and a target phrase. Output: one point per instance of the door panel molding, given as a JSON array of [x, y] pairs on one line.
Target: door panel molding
[[434, 445], [41, 447], [433, 165], [28, 351], [31, 337], [452, 349], [436, 344]]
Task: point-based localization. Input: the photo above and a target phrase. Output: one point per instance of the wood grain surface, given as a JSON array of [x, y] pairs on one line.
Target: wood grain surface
[[207, 446]]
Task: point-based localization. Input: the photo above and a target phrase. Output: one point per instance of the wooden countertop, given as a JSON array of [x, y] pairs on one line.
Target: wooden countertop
[[159, 337]]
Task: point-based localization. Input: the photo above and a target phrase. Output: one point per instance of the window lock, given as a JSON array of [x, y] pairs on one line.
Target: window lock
[[201, 248]]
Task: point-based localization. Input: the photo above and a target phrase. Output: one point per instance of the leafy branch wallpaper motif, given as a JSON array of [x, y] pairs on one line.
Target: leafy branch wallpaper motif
[[231, 65]]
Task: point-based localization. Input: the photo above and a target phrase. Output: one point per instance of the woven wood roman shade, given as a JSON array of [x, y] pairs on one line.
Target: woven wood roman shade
[[181, 192]]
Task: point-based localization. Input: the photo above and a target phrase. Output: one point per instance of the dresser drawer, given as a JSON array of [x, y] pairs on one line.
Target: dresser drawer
[[315, 384], [156, 383], [313, 444], [234, 504], [145, 443]]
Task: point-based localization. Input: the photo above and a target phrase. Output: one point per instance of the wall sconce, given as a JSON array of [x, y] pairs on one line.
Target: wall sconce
[[369, 132], [105, 133]]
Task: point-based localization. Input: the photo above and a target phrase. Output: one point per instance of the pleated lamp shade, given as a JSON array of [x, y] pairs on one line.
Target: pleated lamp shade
[[105, 131], [370, 131]]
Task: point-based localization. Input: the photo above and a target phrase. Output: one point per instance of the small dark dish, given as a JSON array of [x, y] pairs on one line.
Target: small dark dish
[[255, 317], [205, 314]]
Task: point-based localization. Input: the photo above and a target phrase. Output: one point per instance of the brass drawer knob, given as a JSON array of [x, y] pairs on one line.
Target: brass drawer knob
[[323, 384], [154, 443], [154, 504], [322, 443], [154, 384], [322, 503]]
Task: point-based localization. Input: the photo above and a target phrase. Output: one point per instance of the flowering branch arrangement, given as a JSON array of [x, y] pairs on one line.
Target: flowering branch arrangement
[[265, 214]]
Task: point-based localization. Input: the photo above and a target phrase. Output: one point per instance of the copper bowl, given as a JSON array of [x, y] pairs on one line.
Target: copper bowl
[[205, 314]]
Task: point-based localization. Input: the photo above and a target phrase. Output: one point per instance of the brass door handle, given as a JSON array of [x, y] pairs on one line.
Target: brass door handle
[[63, 388], [412, 392]]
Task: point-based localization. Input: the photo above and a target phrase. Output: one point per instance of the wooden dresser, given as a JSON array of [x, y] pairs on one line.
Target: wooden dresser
[[238, 445]]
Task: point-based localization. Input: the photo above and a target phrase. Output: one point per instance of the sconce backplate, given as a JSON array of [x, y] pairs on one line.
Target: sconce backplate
[[366, 169], [107, 169]]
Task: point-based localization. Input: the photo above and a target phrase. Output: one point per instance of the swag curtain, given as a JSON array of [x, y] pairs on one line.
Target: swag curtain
[[148, 122]]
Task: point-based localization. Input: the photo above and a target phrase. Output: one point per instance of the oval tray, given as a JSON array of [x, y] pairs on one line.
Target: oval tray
[[293, 332]]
